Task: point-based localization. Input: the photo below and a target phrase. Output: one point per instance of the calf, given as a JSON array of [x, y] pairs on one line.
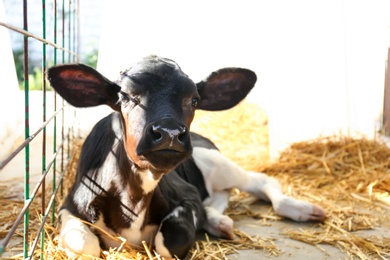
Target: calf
[[142, 174]]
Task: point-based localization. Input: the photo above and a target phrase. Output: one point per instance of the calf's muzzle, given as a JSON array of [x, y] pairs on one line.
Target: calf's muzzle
[[165, 135]]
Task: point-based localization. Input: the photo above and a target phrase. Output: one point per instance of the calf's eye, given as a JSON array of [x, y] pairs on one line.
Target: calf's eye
[[126, 98], [195, 102]]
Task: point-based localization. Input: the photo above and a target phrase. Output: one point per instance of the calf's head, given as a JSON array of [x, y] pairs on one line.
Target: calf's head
[[156, 101]]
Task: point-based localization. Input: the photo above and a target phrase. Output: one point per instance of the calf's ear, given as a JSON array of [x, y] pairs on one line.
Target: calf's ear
[[225, 88], [83, 86]]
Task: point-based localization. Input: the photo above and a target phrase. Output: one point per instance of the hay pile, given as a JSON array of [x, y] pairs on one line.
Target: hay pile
[[241, 133], [349, 177]]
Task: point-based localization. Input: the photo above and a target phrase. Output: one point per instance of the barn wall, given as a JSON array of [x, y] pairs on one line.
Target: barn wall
[[320, 63]]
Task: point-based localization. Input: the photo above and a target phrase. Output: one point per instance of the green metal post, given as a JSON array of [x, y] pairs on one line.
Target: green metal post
[[26, 133], [44, 120]]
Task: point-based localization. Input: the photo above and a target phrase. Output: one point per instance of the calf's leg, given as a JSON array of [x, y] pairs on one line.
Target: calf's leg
[[268, 188], [76, 238], [176, 234], [217, 223], [222, 174]]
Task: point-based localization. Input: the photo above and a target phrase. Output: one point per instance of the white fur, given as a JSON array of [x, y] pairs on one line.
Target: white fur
[[160, 247], [76, 238], [174, 213], [220, 173], [195, 218], [218, 200], [218, 224], [149, 183]]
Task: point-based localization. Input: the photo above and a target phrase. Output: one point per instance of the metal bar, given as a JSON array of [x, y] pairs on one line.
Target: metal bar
[[26, 134], [43, 202], [28, 140], [25, 208], [28, 34], [50, 204], [40, 183], [55, 118]]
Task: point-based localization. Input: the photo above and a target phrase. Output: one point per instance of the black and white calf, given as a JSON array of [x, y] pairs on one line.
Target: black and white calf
[[142, 174]]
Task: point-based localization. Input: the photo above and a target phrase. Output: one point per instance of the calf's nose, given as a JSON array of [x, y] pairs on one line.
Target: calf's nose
[[165, 134]]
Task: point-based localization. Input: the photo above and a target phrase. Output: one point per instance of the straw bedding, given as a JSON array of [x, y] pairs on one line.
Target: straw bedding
[[349, 177]]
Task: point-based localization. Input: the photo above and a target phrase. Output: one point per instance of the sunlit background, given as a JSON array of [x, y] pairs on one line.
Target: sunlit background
[[320, 64]]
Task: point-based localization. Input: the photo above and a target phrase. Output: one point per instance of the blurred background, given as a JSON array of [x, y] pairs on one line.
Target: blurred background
[[321, 65]]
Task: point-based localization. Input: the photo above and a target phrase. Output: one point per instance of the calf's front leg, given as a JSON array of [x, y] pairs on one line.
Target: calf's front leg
[[217, 223], [177, 233], [76, 238]]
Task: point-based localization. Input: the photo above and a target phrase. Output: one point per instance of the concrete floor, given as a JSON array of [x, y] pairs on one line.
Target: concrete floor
[[289, 248]]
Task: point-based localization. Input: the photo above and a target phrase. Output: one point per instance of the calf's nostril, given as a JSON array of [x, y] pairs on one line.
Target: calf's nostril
[[156, 133], [182, 136]]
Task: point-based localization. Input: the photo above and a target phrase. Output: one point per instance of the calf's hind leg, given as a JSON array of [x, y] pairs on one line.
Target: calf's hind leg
[[268, 188], [217, 223], [222, 174]]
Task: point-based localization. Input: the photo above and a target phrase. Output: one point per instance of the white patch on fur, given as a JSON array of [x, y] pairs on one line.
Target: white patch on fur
[[174, 213], [219, 172], [134, 233], [194, 218], [76, 238], [160, 247], [149, 183]]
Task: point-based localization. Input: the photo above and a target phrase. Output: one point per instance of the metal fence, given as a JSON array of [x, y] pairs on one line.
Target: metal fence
[[62, 45]]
